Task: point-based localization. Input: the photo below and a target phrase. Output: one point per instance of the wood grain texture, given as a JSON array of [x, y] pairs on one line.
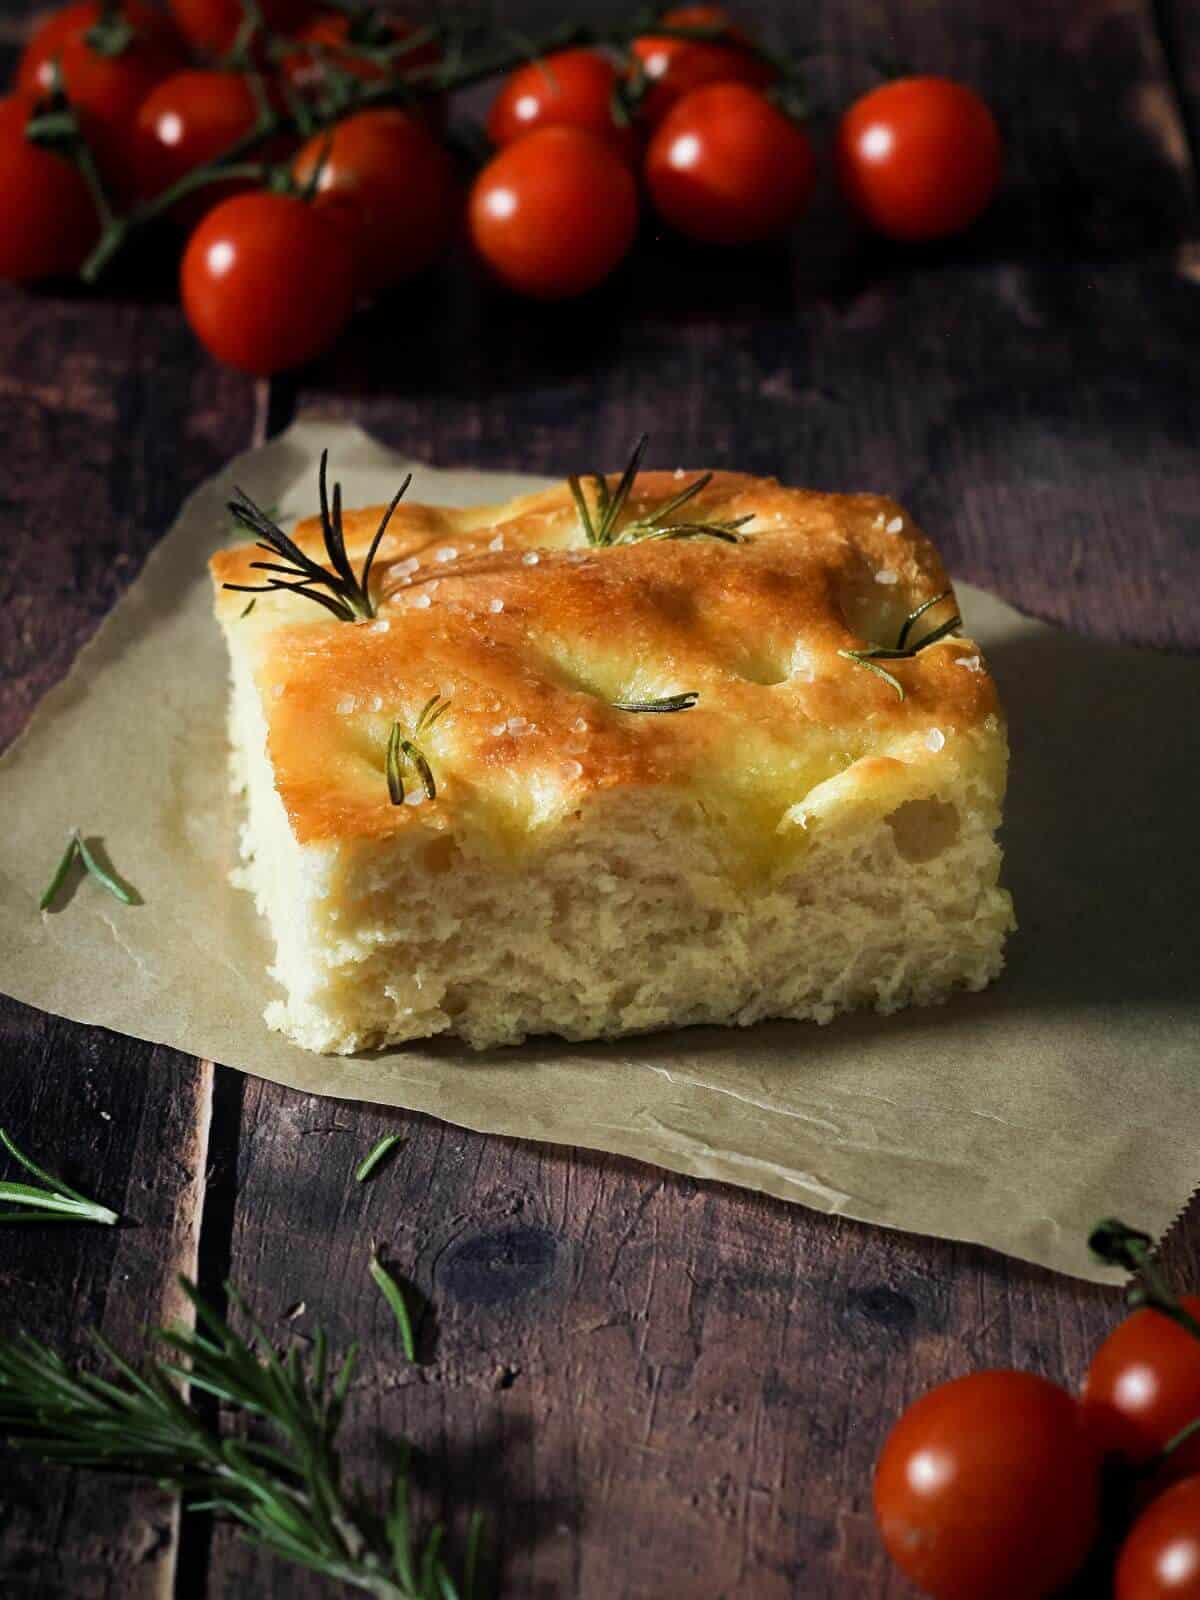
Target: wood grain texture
[[107, 417], [654, 1386]]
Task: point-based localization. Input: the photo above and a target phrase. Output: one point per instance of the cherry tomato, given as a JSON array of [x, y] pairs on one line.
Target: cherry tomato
[[572, 88], [188, 119], [106, 89], [919, 158], [1143, 1386], [392, 186], [987, 1489], [1160, 1559], [267, 282], [212, 25], [726, 167], [48, 223], [554, 213], [674, 67]]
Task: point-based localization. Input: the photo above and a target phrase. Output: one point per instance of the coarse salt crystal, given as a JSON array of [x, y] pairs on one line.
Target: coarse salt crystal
[[935, 739], [496, 606], [880, 520], [346, 705], [518, 725], [887, 576], [678, 472], [531, 558], [414, 797], [498, 730], [446, 553], [421, 601], [580, 725], [497, 543], [895, 525], [376, 702], [572, 769], [405, 569], [972, 663], [381, 626]]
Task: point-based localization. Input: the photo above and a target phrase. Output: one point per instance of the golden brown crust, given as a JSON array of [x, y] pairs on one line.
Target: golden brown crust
[[531, 655]]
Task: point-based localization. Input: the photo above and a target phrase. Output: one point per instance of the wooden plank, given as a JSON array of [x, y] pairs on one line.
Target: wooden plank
[[109, 417], [653, 1385]]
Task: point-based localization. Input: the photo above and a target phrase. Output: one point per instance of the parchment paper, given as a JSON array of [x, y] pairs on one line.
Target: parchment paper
[[1014, 1118]]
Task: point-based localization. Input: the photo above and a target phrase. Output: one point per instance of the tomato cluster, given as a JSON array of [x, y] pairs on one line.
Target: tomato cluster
[[989, 1487], [302, 151]]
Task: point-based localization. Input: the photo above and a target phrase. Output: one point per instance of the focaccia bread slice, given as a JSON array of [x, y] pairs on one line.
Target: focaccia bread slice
[[728, 763]]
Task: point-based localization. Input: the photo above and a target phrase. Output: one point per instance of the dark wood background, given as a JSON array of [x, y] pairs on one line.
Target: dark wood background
[[655, 1386]]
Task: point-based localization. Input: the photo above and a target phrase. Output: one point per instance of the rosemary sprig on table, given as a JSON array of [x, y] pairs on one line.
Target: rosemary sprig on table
[[336, 587], [286, 1492], [403, 750], [51, 1200], [903, 650], [78, 850], [670, 702], [375, 1155], [601, 524]]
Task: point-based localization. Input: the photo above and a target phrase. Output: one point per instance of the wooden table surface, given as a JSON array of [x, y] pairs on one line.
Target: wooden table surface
[[655, 1386]]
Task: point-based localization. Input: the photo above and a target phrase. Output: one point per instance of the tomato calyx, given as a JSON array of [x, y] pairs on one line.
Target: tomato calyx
[[1118, 1245]]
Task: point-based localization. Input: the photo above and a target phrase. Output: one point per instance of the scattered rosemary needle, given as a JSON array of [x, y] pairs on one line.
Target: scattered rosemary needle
[[336, 587], [393, 1294], [671, 702], [77, 849], [601, 526], [249, 607], [403, 750], [56, 1202], [903, 650], [286, 1493], [372, 1159]]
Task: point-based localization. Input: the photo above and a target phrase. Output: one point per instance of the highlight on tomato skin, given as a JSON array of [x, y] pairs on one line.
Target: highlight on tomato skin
[[673, 66], [919, 158], [552, 214], [987, 1488], [1142, 1387], [49, 222], [1160, 1559], [572, 88], [726, 167], [267, 282]]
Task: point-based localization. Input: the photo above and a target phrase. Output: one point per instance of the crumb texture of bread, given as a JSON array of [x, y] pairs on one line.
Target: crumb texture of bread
[[803, 841]]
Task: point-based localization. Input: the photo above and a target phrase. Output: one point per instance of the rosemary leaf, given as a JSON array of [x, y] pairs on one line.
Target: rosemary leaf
[[395, 776], [391, 1292], [862, 658], [53, 1201], [904, 651], [249, 607], [60, 873], [102, 875], [671, 702], [370, 1161]]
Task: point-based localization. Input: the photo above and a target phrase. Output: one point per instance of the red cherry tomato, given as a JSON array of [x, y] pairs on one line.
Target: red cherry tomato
[[393, 188], [48, 223], [674, 67], [267, 282], [188, 119], [919, 158], [554, 213], [106, 89], [987, 1489], [1143, 1386], [572, 88], [726, 167], [212, 25], [1160, 1560]]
